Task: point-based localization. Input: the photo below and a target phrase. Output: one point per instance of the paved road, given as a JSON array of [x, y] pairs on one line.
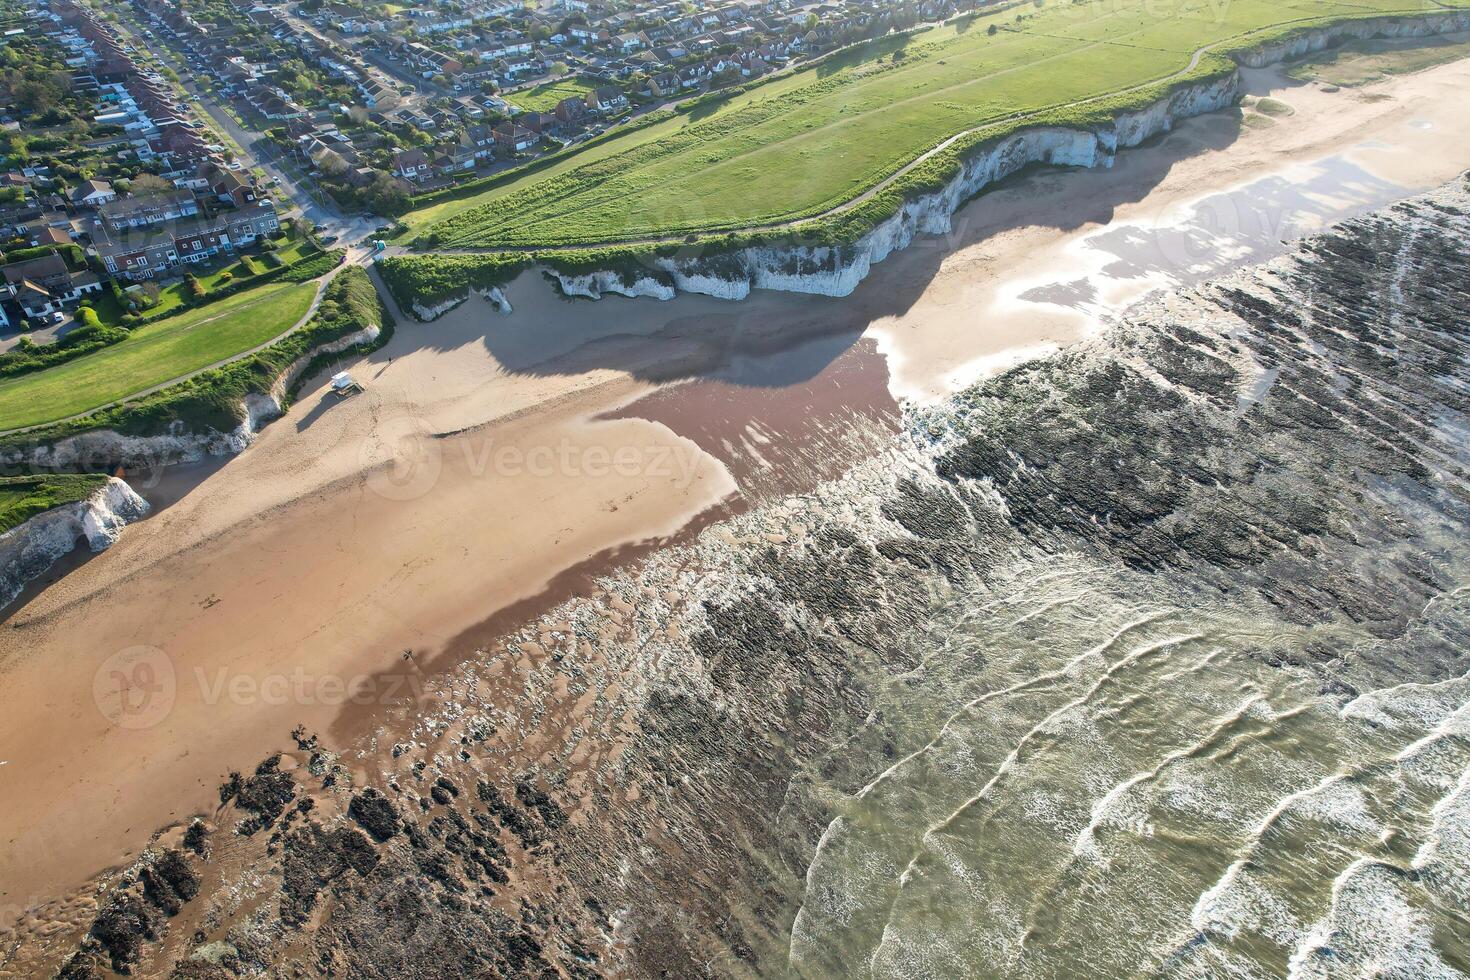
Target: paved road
[[258, 151]]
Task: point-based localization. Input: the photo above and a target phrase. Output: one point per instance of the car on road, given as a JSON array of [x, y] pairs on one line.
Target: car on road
[[329, 239]]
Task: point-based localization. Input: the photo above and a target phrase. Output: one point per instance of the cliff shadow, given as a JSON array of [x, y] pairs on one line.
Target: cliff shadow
[[693, 335]]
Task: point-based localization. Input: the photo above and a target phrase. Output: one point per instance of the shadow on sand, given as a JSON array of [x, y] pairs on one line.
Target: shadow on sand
[[696, 336]]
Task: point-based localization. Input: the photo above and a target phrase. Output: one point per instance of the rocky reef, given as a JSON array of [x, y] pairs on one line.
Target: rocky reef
[[26, 551], [1144, 657]]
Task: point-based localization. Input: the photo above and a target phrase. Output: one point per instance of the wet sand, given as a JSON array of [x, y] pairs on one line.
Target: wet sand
[[490, 455]]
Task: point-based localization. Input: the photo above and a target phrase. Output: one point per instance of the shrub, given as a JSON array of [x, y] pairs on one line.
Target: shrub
[[195, 287], [29, 495], [429, 280]]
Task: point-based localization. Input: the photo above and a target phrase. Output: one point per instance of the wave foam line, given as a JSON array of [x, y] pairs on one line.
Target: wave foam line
[[1008, 762]]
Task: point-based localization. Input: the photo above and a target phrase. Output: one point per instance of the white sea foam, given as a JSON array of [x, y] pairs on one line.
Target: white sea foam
[[1444, 857], [1371, 929]]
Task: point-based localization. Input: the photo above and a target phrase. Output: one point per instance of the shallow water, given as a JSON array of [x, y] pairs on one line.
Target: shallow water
[[1145, 659], [1097, 774]]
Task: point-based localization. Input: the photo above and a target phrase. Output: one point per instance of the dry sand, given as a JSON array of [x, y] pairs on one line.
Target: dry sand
[[354, 531]]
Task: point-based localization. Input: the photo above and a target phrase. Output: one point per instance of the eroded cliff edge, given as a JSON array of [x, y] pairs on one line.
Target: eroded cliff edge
[[27, 550], [837, 270]]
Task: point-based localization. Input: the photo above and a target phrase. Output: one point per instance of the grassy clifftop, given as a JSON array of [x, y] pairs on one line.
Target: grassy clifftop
[[802, 144], [23, 497], [213, 401]]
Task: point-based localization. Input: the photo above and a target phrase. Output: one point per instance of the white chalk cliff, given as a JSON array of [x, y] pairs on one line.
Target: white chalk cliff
[[107, 448], [26, 551], [837, 271]]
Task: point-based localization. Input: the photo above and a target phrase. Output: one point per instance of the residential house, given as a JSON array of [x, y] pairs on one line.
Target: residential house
[[483, 137], [93, 193], [412, 165], [378, 95], [511, 138], [147, 210], [144, 253], [41, 286], [606, 100], [228, 186], [572, 111], [536, 122], [664, 84], [628, 43]]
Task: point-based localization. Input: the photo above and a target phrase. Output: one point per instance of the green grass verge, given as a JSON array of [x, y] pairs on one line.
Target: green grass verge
[[23, 497], [152, 354], [544, 97], [806, 143], [304, 260], [213, 400]]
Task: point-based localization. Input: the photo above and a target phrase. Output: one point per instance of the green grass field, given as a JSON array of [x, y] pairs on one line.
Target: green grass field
[[544, 97], [153, 354], [176, 294], [805, 143]]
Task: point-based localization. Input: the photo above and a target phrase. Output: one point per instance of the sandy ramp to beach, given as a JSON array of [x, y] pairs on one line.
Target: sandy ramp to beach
[[474, 470]]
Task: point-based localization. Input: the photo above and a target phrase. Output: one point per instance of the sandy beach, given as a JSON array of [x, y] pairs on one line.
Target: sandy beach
[[315, 577]]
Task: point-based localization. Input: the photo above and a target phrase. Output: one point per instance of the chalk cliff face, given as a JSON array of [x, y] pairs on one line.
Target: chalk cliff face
[[494, 295], [837, 271], [108, 448], [831, 271], [1391, 27], [28, 550]]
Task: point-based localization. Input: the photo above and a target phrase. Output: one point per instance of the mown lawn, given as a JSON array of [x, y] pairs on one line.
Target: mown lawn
[[806, 143], [153, 354], [176, 293], [544, 97]]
